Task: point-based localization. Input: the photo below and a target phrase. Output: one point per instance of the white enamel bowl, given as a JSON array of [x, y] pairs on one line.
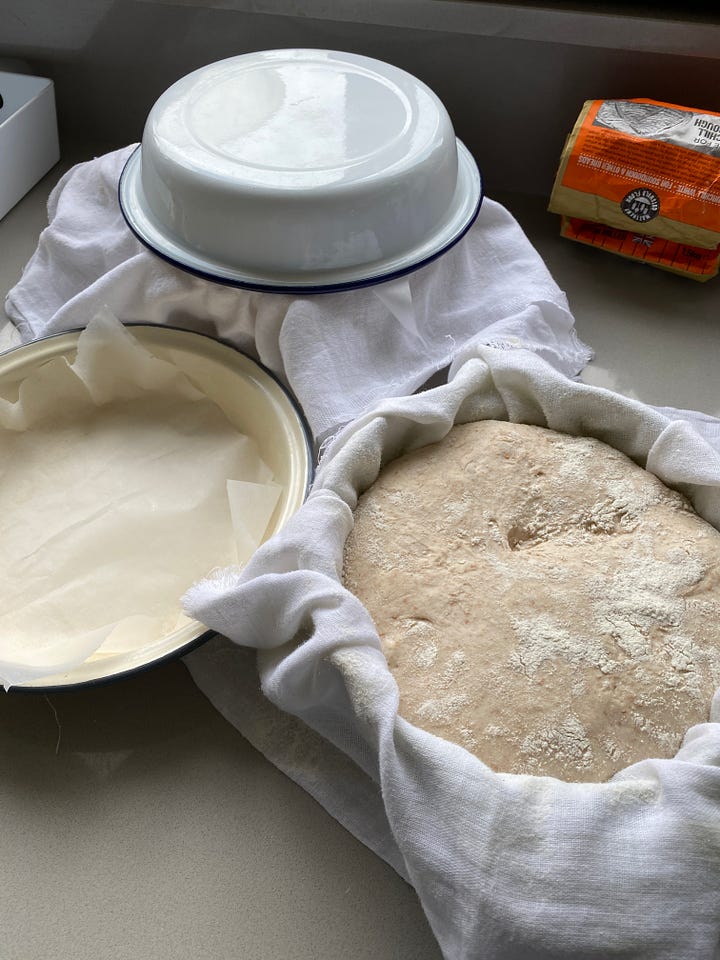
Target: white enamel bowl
[[251, 398], [300, 170]]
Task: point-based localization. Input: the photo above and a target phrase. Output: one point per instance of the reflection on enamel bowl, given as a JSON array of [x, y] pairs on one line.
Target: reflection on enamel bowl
[[300, 169]]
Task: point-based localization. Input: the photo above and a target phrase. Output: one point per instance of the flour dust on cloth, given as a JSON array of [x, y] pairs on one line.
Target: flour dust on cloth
[[507, 866], [339, 353]]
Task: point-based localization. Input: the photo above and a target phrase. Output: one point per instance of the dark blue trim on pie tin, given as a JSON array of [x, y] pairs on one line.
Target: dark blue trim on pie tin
[[295, 289]]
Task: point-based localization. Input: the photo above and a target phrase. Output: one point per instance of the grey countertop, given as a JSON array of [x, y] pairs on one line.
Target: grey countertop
[[138, 824]]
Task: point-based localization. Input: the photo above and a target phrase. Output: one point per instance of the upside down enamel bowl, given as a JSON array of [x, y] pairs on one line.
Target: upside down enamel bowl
[[300, 170]]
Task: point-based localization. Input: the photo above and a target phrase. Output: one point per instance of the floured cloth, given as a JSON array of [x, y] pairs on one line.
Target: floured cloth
[[339, 352], [507, 867]]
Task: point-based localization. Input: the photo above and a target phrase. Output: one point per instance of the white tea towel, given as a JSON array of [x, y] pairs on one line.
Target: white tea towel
[[339, 352], [507, 867]]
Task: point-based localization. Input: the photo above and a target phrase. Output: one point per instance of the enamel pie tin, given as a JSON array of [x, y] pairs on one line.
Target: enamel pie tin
[[300, 171], [251, 399]]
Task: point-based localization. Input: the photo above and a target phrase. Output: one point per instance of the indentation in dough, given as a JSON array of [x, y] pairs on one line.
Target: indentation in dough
[[518, 536]]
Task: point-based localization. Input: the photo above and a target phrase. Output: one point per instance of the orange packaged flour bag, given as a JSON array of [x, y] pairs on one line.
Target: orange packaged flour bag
[[650, 172]]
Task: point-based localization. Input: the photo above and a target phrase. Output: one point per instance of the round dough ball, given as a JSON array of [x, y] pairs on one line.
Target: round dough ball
[[541, 599]]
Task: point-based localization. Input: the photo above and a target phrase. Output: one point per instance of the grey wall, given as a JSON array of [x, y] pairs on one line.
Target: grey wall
[[512, 100]]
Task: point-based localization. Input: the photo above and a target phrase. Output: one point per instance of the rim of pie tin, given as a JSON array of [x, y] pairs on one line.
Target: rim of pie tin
[[462, 213]]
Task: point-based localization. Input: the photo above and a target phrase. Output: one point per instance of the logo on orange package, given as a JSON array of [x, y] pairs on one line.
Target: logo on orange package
[[640, 205]]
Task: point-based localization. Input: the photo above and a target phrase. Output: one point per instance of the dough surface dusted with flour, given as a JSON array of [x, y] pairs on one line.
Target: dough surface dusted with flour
[[541, 599]]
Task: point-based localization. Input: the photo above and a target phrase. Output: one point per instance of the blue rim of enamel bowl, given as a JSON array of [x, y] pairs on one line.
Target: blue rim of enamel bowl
[[461, 216]]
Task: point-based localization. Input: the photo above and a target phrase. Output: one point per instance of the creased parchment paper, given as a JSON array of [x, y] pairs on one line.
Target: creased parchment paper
[[121, 484]]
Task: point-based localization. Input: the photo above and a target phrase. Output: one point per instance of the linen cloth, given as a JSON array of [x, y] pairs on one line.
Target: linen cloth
[[507, 867], [338, 352]]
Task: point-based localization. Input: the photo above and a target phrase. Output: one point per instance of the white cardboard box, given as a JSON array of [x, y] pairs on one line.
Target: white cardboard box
[[28, 135]]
